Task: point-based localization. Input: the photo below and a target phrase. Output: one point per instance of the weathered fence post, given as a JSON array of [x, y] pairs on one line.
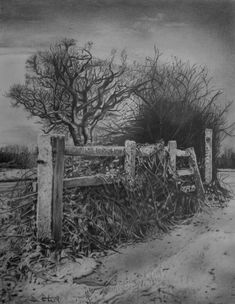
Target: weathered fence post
[[172, 149], [50, 186], [45, 182], [58, 146], [198, 181], [208, 156], [130, 154]]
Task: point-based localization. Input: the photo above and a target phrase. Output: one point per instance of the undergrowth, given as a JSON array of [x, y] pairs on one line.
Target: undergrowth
[[96, 219]]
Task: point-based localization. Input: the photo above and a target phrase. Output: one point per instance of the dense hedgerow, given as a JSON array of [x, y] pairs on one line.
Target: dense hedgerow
[[178, 102]]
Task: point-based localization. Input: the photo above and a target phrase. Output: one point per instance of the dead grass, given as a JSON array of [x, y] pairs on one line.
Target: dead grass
[[96, 219]]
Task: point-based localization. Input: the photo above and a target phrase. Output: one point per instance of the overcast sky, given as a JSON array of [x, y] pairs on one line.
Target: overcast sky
[[202, 32]]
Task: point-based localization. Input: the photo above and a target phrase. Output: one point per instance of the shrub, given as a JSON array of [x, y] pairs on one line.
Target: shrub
[[174, 101]]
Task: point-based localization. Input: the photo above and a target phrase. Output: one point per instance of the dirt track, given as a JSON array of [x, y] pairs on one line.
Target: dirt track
[[195, 263]]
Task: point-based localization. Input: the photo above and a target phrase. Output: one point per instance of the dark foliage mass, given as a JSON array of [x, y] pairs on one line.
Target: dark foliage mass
[[15, 156], [176, 102]]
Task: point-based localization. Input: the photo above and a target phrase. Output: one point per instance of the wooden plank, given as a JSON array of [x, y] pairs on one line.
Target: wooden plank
[[12, 180], [95, 151], [194, 166], [208, 156], [12, 186], [182, 153], [58, 144], [185, 172], [45, 187], [172, 149], [130, 154], [86, 181]]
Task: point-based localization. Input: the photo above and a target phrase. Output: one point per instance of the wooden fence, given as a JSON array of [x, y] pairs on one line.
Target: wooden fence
[[51, 179]]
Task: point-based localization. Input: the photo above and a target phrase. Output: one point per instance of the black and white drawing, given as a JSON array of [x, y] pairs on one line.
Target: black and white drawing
[[117, 151]]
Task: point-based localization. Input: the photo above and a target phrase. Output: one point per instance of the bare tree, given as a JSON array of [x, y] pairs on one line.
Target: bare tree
[[70, 90]]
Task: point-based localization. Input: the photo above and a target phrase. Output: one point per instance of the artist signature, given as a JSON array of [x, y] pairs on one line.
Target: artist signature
[[50, 299]]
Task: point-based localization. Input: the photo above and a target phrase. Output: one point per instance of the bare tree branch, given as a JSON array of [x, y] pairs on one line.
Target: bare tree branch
[[70, 90]]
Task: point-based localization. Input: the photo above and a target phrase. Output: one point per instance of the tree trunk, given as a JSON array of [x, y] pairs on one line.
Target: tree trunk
[[85, 135], [75, 134]]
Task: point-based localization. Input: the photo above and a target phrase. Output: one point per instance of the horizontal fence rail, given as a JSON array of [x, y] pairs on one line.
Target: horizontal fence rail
[[87, 181], [95, 151], [185, 172], [15, 175]]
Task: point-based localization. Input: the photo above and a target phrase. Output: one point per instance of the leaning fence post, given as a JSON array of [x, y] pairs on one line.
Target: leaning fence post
[[208, 156], [50, 186], [130, 154], [172, 149], [194, 166]]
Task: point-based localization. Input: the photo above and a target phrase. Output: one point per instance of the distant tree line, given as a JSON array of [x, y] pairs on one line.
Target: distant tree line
[[227, 159]]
